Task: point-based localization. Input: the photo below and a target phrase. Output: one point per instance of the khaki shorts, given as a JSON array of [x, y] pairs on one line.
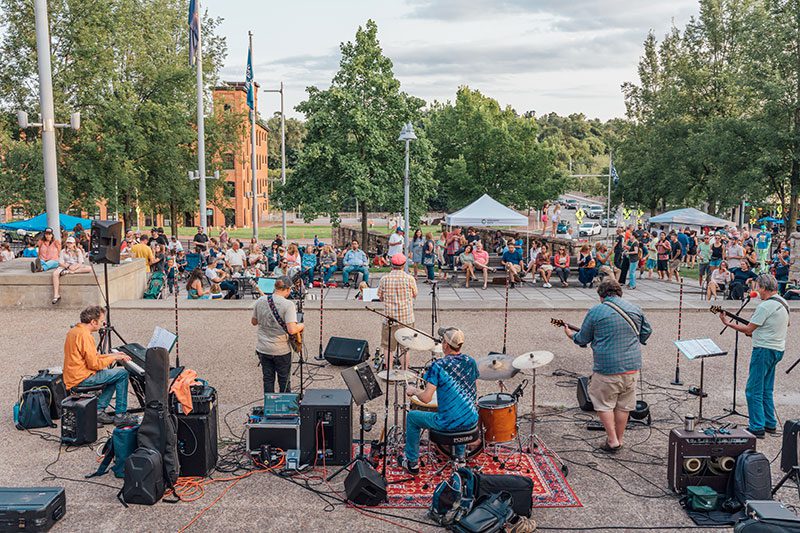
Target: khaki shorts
[[385, 337], [613, 392], [675, 265]]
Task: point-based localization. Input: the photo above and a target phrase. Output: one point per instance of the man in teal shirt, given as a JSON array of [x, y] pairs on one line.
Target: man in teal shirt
[[763, 242], [768, 327], [703, 259]]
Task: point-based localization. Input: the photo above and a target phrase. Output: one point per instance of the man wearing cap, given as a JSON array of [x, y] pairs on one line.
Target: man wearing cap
[[397, 291], [396, 241], [200, 240], [276, 318], [452, 379]]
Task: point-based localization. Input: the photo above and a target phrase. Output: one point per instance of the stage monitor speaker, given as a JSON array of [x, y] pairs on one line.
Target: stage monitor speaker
[[326, 427], [364, 485], [79, 419], [360, 379], [791, 443], [346, 352], [584, 402], [696, 458], [106, 243], [197, 442]]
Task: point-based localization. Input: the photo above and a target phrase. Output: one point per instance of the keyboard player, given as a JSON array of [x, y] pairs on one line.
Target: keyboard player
[[84, 367]]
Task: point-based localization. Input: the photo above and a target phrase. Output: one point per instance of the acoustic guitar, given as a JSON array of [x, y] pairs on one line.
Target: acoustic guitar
[[717, 310], [557, 322], [296, 342]]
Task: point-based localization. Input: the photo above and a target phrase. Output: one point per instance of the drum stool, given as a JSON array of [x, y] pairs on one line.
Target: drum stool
[[452, 439]]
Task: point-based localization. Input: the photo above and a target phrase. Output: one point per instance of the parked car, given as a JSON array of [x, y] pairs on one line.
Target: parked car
[[609, 222], [569, 203], [563, 226], [587, 229], [595, 211]]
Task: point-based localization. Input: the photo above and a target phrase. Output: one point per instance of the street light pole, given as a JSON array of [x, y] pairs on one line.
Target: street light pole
[[283, 154], [201, 127], [407, 135], [254, 184], [608, 198], [48, 117]]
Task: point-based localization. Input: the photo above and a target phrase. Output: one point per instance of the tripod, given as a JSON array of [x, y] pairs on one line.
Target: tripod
[[108, 329], [732, 411]]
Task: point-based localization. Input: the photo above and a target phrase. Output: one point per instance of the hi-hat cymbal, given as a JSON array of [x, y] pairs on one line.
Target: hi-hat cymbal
[[408, 338], [495, 367], [531, 360], [398, 374], [437, 349]]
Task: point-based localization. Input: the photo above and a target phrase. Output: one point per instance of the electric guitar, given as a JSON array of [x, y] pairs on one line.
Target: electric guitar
[[717, 310], [557, 322], [296, 342]]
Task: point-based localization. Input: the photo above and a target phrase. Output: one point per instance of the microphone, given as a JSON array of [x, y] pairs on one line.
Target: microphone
[[751, 295]]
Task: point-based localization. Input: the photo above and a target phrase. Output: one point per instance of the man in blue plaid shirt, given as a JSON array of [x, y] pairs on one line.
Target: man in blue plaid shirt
[[616, 329]]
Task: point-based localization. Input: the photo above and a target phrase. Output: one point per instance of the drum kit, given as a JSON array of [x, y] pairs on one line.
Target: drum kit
[[497, 411]]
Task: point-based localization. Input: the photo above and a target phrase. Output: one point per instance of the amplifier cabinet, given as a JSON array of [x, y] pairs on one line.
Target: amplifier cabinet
[[696, 458], [326, 432], [283, 434]]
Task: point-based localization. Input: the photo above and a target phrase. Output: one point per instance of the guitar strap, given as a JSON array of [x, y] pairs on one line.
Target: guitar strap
[[624, 315], [275, 314], [783, 303]]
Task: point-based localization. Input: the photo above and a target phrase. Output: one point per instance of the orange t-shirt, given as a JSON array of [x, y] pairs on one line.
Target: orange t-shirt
[[81, 359]]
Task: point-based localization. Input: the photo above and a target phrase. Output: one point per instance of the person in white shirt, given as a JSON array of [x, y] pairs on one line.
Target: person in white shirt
[[396, 241], [220, 277], [735, 254], [235, 258], [174, 245]]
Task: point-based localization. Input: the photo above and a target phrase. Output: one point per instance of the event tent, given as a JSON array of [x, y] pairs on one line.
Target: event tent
[[771, 219], [39, 223], [486, 211], [689, 216]]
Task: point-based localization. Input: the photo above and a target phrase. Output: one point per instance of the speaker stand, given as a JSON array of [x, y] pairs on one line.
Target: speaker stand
[[793, 474], [108, 330]]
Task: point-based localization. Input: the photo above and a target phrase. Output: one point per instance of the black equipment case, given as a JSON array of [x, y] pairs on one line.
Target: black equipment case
[[31, 508], [767, 517], [54, 382], [520, 488]]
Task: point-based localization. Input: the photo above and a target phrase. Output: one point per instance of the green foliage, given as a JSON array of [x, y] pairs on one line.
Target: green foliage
[[481, 148], [295, 134], [351, 150]]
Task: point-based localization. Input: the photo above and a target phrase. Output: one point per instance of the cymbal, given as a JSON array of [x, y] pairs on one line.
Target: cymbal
[[398, 374], [496, 367], [412, 340], [531, 360], [437, 349]]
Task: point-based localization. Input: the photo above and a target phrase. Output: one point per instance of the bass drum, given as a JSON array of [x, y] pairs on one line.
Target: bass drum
[[498, 417]]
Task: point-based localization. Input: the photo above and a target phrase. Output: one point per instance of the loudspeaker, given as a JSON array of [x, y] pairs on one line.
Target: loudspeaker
[[696, 458], [346, 352], [361, 381], [197, 442], [364, 485], [106, 241], [584, 402], [79, 419], [326, 427], [55, 383], [791, 442]]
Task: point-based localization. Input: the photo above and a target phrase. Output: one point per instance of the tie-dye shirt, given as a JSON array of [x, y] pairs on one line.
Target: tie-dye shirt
[[454, 378]]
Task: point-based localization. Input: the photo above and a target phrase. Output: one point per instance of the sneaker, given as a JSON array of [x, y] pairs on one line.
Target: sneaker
[[759, 433], [411, 468], [521, 524], [104, 418], [126, 420], [547, 286], [771, 431]]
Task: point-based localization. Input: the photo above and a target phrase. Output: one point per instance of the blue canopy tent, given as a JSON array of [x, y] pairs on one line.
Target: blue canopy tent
[[39, 223], [771, 219]]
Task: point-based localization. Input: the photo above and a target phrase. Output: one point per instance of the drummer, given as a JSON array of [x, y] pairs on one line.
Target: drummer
[[452, 378], [397, 291]]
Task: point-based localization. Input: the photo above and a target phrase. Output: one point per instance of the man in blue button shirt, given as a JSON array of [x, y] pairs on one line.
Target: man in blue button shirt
[[355, 260], [512, 261], [615, 329]]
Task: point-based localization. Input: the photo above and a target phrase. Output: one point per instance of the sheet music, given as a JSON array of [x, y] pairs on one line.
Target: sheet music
[[370, 295], [696, 348], [162, 339]]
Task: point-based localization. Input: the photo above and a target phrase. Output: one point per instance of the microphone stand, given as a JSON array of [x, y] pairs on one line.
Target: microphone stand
[[733, 411], [434, 308]]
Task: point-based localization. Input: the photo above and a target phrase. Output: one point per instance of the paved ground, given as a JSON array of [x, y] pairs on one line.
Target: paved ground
[[629, 490]]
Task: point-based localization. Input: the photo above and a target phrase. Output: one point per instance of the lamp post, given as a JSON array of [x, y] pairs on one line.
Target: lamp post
[[283, 155], [407, 135]]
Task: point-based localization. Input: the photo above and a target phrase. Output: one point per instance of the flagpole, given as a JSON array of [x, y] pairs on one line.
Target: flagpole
[[253, 138], [608, 198], [201, 128]]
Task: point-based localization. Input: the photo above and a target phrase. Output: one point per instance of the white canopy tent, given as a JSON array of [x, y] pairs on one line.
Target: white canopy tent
[[486, 212], [689, 216]]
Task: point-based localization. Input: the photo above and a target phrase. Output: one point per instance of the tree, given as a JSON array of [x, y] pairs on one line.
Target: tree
[[481, 148], [351, 149]]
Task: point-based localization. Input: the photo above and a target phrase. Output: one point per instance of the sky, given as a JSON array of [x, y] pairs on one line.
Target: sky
[[562, 56]]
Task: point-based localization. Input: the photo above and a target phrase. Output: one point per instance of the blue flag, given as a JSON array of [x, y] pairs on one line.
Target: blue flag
[[248, 79], [614, 175], [194, 31]]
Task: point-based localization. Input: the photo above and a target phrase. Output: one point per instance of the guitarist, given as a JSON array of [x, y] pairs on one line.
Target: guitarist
[[768, 327], [276, 318], [615, 329]]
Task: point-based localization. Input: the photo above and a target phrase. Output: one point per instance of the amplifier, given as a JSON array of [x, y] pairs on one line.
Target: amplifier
[[31, 508], [79, 419], [346, 352], [791, 445], [204, 398], [696, 458], [197, 442], [282, 433], [326, 430], [584, 402], [55, 383]]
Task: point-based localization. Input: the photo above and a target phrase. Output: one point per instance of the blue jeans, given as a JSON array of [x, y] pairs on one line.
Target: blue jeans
[[760, 385], [416, 421], [632, 274], [327, 273], [431, 273], [308, 276], [49, 265], [115, 380], [346, 272]]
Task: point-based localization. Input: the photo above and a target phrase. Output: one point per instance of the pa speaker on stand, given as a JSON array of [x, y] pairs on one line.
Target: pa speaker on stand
[[106, 242]]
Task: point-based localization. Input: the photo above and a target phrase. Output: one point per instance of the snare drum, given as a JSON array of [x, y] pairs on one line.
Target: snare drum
[[498, 417], [419, 405]]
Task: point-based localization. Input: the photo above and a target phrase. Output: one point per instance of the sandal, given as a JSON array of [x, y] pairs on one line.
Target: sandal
[[63, 272], [610, 449], [56, 300]]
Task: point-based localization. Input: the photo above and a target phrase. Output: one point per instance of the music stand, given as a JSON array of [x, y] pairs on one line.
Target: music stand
[[699, 349]]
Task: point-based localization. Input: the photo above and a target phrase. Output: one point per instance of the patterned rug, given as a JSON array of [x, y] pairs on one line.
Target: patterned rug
[[550, 487]]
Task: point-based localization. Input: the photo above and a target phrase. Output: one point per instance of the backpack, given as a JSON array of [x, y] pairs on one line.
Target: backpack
[[752, 479], [144, 478], [737, 291], [155, 286], [490, 514], [33, 409], [117, 448], [453, 497]]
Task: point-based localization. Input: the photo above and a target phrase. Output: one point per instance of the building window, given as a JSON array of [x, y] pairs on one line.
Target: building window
[[227, 107], [230, 189], [228, 161]]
